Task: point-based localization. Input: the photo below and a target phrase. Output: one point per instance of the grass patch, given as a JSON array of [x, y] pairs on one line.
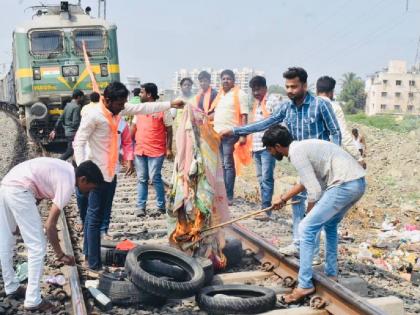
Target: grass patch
[[402, 124], [390, 181]]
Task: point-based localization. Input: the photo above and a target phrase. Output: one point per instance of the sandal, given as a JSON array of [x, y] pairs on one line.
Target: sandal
[[44, 306], [297, 295]]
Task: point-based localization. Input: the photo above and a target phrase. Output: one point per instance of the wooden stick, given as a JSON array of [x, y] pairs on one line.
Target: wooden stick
[[187, 246], [244, 217]]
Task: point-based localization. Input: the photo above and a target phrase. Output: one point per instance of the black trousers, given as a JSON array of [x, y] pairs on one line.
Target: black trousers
[[69, 151]]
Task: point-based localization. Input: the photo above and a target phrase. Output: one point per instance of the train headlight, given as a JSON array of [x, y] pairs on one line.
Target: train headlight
[[104, 69], [70, 71], [39, 111], [36, 73]]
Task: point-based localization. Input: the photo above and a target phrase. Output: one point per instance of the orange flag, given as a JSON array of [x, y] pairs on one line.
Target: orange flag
[[95, 87]]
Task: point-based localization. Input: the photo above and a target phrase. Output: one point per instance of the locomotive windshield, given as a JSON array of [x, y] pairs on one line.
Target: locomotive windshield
[[94, 40], [46, 42]]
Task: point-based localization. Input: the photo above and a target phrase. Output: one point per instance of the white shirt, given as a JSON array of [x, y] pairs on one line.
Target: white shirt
[[224, 114], [322, 165], [346, 138], [271, 105], [94, 131], [46, 178]]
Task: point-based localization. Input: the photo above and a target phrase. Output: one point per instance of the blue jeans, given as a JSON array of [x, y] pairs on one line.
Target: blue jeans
[[327, 213], [83, 202], [264, 165], [149, 167], [299, 211], [99, 199], [227, 147]]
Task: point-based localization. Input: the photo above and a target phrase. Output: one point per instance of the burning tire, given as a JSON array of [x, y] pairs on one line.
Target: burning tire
[[156, 282], [124, 293], [236, 299], [233, 251]]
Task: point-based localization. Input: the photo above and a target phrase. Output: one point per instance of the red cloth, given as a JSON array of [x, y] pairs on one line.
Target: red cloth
[[125, 245], [150, 135]]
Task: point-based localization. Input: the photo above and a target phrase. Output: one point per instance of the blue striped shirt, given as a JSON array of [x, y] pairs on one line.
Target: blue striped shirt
[[314, 119]]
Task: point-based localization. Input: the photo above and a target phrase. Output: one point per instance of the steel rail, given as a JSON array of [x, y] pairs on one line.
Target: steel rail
[[339, 300], [77, 300]]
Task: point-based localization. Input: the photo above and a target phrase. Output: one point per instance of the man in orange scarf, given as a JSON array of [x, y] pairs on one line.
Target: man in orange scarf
[[264, 163], [230, 110], [99, 129], [207, 95]]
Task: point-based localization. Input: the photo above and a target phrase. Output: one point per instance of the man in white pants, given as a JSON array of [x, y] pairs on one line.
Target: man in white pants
[[21, 190]]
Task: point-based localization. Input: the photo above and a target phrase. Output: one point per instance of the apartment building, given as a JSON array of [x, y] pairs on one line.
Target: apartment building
[[243, 76], [394, 90]]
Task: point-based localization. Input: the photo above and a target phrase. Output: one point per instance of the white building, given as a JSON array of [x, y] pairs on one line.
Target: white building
[[394, 90], [242, 78], [132, 83]]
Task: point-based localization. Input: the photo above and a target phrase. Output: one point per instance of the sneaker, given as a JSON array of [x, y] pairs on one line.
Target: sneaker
[[43, 307], [316, 261], [18, 294], [289, 250], [140, 212]]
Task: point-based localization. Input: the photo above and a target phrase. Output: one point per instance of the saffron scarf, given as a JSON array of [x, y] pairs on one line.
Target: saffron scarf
[[242, 153], [206, 100], [113, 122]]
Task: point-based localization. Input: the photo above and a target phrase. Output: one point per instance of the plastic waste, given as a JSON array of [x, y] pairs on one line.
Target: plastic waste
[[57, 280], [364, 252], [22, 271]]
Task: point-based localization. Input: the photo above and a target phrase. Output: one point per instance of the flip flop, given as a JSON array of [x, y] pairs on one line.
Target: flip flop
[[295, 296]]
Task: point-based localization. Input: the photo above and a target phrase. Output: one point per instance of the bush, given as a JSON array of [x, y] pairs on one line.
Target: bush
[[390, 122]]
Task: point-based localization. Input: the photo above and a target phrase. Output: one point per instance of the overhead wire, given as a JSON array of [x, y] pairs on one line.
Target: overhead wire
[[346, 31]]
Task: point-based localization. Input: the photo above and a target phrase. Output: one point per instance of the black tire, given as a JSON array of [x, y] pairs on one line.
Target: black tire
[[251, 299], [160, 268], [161, 286], [113, 257], [124, 293], [208, 269], [233, 252]]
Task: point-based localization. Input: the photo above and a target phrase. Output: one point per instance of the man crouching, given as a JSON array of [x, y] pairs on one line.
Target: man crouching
[[334, 181], [21, 190]]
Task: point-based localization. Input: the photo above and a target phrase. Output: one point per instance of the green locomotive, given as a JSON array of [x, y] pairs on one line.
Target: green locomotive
[[48, 64]]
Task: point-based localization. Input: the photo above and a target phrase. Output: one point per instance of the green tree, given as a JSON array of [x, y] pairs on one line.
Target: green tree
[[352, 93], [277, 89]]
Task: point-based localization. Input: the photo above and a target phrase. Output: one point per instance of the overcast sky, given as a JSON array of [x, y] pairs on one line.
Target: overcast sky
[[157, 37]]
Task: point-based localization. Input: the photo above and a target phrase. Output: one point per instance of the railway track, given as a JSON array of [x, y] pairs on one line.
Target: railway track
[[262, 264]]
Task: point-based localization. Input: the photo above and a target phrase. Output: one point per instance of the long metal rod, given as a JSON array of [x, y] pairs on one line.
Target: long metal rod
[[340, 300], [77, 300]]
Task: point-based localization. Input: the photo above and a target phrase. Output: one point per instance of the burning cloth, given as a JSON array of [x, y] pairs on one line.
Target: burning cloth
[[198, 197]]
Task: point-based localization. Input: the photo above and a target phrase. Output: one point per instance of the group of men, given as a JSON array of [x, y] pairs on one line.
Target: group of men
[[308, 129]]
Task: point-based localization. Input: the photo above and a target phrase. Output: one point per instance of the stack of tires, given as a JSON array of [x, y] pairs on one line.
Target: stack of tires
[[154, 274], [157, 273]]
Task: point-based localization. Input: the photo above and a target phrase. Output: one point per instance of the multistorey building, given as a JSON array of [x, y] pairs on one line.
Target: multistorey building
[[394, 90], [242, 78]]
